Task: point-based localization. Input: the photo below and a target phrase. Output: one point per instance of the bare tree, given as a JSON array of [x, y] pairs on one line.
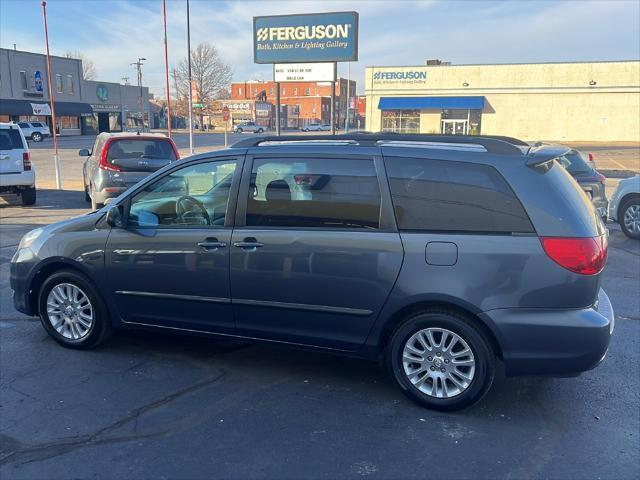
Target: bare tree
[[209, 73], [88, 67]]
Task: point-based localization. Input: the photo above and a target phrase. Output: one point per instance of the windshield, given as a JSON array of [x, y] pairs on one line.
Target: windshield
[[574, 163]]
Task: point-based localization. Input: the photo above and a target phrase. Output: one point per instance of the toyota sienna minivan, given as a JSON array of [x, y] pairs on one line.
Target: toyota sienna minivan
[[445, 257]]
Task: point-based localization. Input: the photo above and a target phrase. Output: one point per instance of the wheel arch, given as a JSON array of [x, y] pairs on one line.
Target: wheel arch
[[623, 200], [44, 271], [426, 305]]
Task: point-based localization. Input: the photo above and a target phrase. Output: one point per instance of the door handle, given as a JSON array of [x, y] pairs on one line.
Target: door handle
[[250, 244], [212, 244]]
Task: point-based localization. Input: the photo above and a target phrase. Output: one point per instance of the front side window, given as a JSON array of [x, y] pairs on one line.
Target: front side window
[[193, 196], [314, 193], [435, 195]]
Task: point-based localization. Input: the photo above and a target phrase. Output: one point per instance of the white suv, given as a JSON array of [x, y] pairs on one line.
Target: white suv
[[16, 172], [35, 131]]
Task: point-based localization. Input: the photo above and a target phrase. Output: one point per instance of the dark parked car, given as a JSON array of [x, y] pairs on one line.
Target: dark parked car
[[589, 179], [439, 261], [120, 160]]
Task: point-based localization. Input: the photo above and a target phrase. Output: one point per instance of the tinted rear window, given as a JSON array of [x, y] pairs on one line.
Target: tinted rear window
[[435, 195], [10, 139], [575, 164], [314, 193], [37, 124], [143, 148]]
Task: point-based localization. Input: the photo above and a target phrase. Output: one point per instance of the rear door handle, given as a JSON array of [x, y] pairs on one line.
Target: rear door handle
[[249, 244], [212, 244]]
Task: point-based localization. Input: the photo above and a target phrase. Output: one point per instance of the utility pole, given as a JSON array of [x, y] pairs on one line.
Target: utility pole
[[166, 68], [191, 150], [138, 65], [56, 159]]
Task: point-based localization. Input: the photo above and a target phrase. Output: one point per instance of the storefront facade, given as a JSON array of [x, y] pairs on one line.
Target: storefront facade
[[595, 101], [24, 90], [115, 107]]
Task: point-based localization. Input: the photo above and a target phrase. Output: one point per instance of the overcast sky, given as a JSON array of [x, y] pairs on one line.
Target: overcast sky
[[114, 33]]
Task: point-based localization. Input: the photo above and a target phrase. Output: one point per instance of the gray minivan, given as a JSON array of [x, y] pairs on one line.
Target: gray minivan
[[446, 258]]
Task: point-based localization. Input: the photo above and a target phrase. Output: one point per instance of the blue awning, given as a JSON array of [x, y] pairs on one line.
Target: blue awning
[[420, 103]]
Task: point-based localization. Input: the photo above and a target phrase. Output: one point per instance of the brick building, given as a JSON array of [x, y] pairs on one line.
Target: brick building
[[311, 100]]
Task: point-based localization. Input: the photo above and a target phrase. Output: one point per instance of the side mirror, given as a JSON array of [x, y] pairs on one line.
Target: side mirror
[[115, 217], [85, 152]]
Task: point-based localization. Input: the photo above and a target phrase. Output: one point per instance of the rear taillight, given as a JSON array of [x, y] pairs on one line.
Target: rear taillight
[[591, 158], [104, 164], [175, 150], [26, 161], [586, 256]]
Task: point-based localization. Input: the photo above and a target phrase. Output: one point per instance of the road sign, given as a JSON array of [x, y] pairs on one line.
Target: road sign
[[225, 113], [311, 37], [198, 105]]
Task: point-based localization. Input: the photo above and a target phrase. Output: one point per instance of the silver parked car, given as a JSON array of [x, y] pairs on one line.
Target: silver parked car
[[120, 160], [35, 131], [317, 127], [249, 127], [625, 206]]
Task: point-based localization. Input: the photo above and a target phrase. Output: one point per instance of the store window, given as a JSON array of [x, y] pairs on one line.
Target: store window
[[66, 122], [401, 121], [70, 84], [295, 91], [59, 83], [23, 80], [307, 91], [284, 91], [271, 92], [239, 91]]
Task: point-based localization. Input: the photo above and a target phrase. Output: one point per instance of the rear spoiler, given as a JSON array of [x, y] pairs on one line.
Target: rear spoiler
[[537, 156]]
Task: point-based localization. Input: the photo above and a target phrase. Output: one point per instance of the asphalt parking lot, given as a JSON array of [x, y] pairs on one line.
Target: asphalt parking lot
[[158, 406]]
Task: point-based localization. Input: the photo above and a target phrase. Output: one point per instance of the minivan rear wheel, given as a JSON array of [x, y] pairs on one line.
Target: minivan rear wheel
[[72, 311], [441, 361]]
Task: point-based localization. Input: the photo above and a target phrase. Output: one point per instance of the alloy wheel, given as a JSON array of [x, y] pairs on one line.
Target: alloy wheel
[[438, 362], [632, 219], [69, 311]]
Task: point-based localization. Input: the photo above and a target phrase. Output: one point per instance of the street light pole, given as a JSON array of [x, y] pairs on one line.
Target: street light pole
[[346, 123], [138, 65], [56, 159], [191, 150]]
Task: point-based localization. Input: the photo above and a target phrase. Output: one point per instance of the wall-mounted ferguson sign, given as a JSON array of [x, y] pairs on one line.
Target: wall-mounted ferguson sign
[[313, 37], [400, 76]]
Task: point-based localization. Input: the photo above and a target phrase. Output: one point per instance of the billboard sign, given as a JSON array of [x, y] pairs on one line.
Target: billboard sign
[[311, 37], [304, 72]]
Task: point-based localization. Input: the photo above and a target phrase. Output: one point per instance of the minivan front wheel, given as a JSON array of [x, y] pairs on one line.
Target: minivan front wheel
[[72, 311], [36, 137], [441, 360]]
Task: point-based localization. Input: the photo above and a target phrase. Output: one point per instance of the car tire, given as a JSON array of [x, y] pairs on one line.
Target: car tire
[[28, 196], [94, 205], [87, 197], [630, 213], [260, 130], [82, 301], [238, 130], [456, 387], [36, 136]]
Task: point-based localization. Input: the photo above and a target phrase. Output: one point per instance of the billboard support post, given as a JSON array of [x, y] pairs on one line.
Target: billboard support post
[[333, 100], [346, 122]]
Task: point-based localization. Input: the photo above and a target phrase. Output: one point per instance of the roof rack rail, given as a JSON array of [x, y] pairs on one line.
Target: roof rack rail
[[498, 145]]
